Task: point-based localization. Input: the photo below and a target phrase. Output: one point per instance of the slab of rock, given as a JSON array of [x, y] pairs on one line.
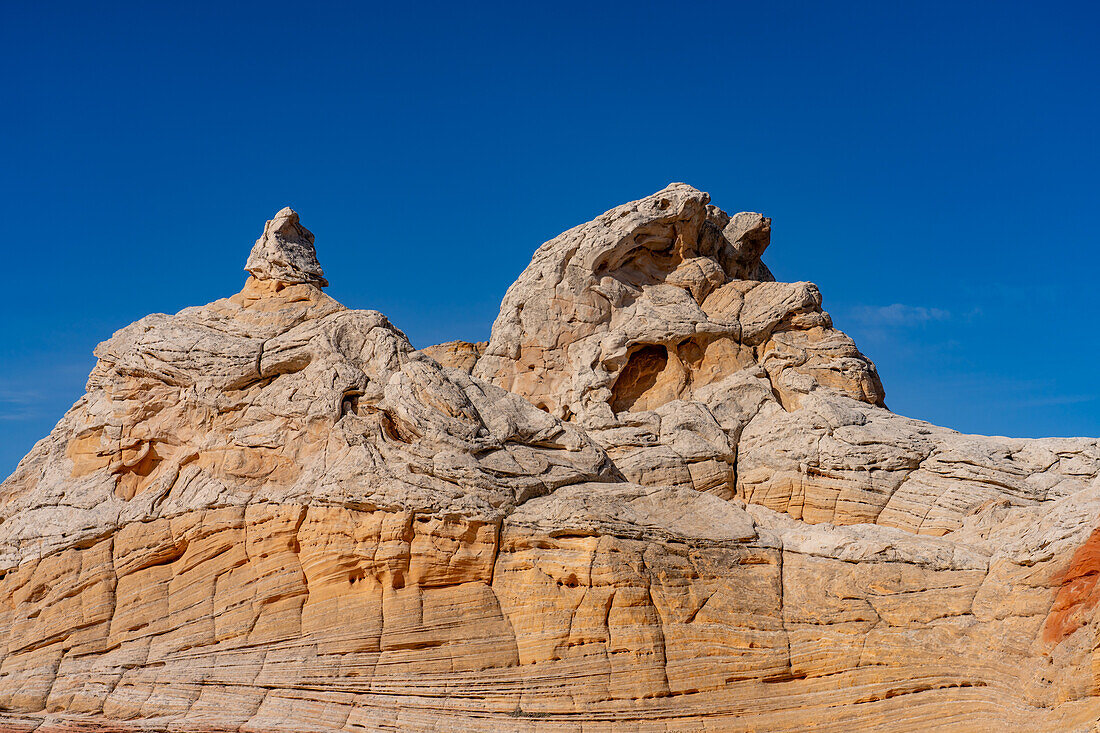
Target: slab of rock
[[665, 495]]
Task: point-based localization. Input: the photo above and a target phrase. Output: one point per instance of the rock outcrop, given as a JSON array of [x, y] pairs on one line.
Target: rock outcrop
[[665, 496], [285, 253]]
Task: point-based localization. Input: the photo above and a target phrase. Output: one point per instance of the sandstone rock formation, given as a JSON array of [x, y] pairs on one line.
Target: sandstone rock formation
[[665, 496], [285, 253]]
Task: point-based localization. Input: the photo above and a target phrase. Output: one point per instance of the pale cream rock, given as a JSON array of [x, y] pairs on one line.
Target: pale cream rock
[[285, 253]]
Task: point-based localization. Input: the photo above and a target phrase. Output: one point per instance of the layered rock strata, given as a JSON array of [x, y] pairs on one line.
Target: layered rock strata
[[665, 496]]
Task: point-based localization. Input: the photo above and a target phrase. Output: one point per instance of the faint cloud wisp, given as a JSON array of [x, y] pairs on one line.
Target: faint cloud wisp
[[898, 314], [1056, 401], [16, 405]]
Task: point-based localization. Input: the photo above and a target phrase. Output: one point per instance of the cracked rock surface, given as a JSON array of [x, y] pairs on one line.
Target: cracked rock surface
[[665, 496]]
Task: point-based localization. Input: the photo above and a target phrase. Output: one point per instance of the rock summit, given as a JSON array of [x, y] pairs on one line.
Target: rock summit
[[285, 252]]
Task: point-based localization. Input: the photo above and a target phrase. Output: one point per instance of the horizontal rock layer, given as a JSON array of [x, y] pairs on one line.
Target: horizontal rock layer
[[665, 496]]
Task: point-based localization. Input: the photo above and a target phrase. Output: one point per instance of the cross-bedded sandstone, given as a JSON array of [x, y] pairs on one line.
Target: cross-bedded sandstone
[[665, 496]]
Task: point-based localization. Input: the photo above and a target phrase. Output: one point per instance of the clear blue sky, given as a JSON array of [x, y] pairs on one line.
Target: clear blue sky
[[933, 167]]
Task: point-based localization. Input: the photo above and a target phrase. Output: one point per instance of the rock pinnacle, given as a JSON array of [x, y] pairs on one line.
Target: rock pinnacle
[[285, 252]]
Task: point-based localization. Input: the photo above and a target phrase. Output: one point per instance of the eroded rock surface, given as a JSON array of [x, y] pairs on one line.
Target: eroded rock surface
[[665, 496]]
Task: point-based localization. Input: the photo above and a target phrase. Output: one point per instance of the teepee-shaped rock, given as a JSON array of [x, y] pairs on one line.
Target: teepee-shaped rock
[[285, 252]]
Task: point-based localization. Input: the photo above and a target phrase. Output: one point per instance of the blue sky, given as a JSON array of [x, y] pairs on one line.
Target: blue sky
[[932, 167]]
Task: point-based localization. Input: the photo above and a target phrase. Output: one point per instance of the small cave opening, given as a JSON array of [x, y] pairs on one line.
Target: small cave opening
[[569, 582], [638, 376], [349, 403], [690, 351]]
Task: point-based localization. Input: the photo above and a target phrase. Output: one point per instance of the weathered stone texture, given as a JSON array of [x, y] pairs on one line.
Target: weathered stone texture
[[665, 496]]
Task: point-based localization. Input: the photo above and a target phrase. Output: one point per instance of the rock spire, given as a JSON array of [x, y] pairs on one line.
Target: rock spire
[[285, 252]]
